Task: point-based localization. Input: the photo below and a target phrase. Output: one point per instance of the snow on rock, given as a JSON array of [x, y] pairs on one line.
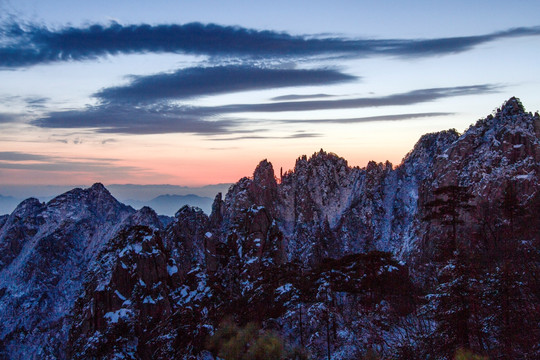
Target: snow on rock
[[115, 316]]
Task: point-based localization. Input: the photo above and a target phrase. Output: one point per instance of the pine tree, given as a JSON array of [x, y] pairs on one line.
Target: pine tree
[[512, 284], [451, 299], [451, 307], [448, 207]]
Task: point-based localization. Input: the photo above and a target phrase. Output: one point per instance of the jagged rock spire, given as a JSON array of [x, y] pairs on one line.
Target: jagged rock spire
[[264, 172], [512, 106]]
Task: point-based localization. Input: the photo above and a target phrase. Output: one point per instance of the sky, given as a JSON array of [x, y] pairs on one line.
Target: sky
[[193, 93]]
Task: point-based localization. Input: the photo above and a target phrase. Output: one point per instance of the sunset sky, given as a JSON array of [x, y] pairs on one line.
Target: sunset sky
[[198, 92]]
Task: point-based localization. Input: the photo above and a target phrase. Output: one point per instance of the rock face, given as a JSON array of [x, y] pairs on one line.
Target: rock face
[[84, 276], [324, 208], [130, 292], [45, 250]]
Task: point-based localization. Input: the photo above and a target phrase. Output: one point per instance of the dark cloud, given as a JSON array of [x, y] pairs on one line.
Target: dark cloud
[[9, 118], [200, 81], [128, 119], [30, 44], [158, 119], [300, 97]]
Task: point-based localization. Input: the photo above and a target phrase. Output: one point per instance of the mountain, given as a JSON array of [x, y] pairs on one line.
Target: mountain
[[145, 192], [169, 204], [45, 251], [436, 257], [130, 194]]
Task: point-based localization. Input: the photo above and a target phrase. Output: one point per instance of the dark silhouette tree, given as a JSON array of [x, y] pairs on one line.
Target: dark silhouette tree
[[512, 295], [448, 207], [452, 296]]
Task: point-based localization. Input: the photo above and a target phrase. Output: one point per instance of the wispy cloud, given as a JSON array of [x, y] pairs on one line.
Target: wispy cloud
[[29, 161], [69, 166], [201, 81], [393, 117], [20, 156], [109, 140], [37, 102], [30, 44], [298, 135], [291, 97], [167, 118], [407, 98]]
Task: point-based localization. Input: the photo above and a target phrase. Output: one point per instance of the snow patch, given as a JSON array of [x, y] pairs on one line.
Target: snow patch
[[284, 288], [122, 297], [149, 300], [115, 316], [172, 269]]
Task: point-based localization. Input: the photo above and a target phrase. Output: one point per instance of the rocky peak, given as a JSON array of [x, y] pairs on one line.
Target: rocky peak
[[512, 132], [429, 147], [264, 173], [320, 158], [100, 193], [148, 212], [189, 242], [512, 106], [432, 144], [27, 207], [188, 210], [511, 117], [216, 217], [263, 188], [322, 168], [145, 216], [496, 150], [373, 166], [95, 193], [98, 187]]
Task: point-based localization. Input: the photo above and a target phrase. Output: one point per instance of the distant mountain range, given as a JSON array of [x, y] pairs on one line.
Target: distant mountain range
[[170, 204], [436, 258], [164, 199]]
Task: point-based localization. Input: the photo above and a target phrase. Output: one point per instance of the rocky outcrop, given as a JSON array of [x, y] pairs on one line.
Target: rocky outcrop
[[189, 239]]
